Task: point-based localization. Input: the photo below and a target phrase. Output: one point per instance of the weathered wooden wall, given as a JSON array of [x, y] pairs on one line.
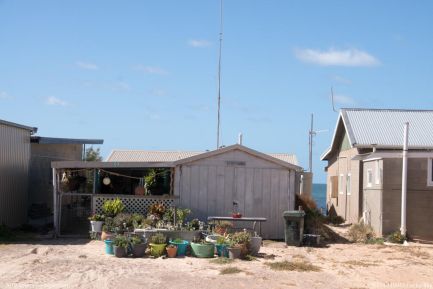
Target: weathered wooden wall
[[262, 189]]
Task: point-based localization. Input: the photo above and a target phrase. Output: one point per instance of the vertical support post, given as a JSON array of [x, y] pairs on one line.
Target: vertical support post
[[310, 145], [55, 211], [404, 180]]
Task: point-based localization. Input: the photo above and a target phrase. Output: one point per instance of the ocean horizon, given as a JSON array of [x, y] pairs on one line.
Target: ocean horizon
[[319, 195]]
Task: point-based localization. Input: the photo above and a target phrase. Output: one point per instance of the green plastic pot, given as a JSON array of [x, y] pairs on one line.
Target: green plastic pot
[[157, 250], [203, 250]]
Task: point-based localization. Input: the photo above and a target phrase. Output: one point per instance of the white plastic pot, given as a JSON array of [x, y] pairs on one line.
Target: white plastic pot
[[96, 226]]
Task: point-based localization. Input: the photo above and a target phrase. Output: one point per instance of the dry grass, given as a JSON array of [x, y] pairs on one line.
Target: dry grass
[[300, 266], [360, 263], [230, 270], [221, 261]]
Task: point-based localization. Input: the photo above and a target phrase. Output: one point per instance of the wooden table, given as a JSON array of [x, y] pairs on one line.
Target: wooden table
[[254, 220]]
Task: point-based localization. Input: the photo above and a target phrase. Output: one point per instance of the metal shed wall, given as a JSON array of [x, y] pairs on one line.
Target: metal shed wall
[[262, 188], [14, 171]]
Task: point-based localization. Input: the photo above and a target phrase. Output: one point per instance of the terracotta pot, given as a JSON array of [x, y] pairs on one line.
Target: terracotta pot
[[107, 236], [171, 251]]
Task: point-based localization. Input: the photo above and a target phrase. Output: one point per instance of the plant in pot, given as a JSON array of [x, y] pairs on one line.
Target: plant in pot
[[120, 246], [223, 228], [181, 245], [171, 251], [113, 207], [157, 244], [239, 243], [108, 229], [123, 223], [221, 247], [96, 222], [202, 249], [138, 246]]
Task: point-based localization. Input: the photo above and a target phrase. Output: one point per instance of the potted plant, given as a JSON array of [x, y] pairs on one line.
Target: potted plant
[[221, 247], [202, 249], [240, 242], [157, 244], [181, 246], [171, 251], [138, 246], [108, 230], [223, 228], [120, 246], [113, 207], [123, 223], [96, 222]]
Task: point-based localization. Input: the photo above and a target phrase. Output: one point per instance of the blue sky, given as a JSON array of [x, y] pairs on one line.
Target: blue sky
[[143, 74]]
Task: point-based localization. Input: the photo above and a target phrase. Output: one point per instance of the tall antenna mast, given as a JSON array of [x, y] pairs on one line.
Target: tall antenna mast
[[332, 99], [311, 134], [219, 75]]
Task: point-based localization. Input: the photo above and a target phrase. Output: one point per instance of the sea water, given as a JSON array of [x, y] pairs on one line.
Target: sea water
[[319, 195]]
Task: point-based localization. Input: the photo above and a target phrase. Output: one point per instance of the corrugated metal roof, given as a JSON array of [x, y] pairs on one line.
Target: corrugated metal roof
[[31, 129], [384, 127], [57, 140], [171, 156]]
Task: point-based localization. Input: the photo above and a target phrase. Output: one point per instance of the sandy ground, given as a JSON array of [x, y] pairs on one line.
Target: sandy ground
[[66, 263]]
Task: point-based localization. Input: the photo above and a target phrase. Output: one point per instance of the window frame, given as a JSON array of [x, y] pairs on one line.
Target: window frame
[[370, 180], [430, 172], [340, 184], [349, 184], [377, 175]]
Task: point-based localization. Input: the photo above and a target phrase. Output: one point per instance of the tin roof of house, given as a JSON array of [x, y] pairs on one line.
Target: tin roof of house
[[29, 128], [172, 156], [383, 128]]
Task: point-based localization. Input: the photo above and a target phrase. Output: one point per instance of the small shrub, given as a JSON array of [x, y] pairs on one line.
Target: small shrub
[[223, 227], [113, 207], [240, 238], [121, 241], [300, 266], [230, 270], [157, 210], [158, 238], [97, 217], [136, 240], [360, 233], [334, 219], [123, 220], [396, 237]]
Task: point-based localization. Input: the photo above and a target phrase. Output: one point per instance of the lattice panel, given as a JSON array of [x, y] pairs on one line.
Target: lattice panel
[[132, 205]]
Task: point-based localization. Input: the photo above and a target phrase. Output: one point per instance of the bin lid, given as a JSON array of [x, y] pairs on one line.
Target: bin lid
[[298, 214]]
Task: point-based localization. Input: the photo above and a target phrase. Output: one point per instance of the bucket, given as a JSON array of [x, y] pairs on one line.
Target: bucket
[[181, 247], [109, 247]]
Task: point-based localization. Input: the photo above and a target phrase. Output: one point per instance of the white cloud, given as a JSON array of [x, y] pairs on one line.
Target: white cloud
[[332, 57], [151, 69], [198, 43], [5, 95], [87, 65], [55, 101], [343, 99]]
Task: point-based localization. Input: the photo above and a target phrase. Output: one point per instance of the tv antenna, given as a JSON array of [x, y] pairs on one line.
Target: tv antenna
[[219, 75], [311, 134]]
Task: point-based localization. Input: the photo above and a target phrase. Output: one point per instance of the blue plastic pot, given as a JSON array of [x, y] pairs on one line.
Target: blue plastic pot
[[109, 247], [222, 250], [181, 247]]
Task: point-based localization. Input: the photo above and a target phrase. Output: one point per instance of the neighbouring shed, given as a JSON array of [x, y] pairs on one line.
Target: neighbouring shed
[[262, 185], [45, 150], [14, 172]]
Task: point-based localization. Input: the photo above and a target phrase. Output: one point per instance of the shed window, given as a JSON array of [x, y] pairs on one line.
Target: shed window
[[369, 178], [378, 171], [430, 172], [340, 185], [334, 187], [349, 184]]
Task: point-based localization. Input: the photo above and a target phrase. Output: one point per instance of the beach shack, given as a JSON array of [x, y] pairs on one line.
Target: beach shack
[[209, 183]]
